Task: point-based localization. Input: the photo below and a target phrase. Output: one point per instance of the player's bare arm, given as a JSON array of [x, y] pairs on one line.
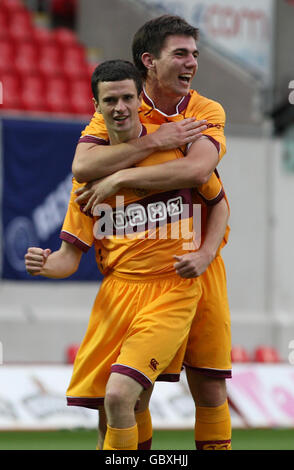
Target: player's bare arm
[[194, 264], [57, 265], [93, 161], [193, 170]]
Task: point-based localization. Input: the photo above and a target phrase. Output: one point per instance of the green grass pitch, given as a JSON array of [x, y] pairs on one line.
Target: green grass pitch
[[242, 439]]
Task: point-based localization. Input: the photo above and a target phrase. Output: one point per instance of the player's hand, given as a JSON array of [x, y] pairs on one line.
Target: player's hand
[[95, 192], [192, 264], [35, 259], [171, 135]]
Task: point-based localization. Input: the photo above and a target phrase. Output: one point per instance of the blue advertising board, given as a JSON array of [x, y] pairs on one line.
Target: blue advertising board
[[36, 183]]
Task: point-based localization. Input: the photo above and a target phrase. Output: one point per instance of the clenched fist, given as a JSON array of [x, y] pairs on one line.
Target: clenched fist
[[35, 259]]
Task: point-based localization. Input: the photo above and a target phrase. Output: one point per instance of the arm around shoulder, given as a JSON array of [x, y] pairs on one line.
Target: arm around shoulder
[[94, 161]]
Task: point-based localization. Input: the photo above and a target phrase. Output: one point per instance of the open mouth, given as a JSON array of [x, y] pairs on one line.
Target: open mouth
[[120, 118], [186, 78]]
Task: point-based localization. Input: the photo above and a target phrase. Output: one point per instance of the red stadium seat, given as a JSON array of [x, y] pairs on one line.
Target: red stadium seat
[[32, 93], [20, 26], [266, 354], [12, 6], [81, 87], [74, 71], [57, 95], [4, 30], [50, 60], [21, 34], [51, 51], [75, 53], [74, 63], [11, 91], [26, 58], [82, 106], [6, 56], [81, 97], [21, 19], [239, 354], [43, 37], [65, 37], [71, 352]]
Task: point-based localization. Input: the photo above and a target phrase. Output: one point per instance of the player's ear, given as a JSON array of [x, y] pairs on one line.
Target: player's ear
[[147, 60], [96, 105]]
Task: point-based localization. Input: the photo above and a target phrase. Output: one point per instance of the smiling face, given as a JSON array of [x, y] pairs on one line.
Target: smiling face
[[170, 75], [119, 103], [172, 72]]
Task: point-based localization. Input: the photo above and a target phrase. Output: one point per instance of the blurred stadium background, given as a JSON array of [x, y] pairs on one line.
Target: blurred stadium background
[[48, 50]]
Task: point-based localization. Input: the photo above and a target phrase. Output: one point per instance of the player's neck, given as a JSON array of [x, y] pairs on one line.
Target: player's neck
[[120, 137], [166, 103]]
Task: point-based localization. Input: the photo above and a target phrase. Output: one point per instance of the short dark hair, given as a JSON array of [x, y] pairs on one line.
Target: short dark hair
[[152, 35], [114, 71]]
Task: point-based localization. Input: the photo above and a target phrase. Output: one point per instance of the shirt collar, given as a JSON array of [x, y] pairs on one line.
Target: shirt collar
[[181, 106]]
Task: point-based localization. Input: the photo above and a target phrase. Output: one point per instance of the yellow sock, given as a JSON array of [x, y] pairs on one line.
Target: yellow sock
[[144, 423], [121, 439], [213, 427]]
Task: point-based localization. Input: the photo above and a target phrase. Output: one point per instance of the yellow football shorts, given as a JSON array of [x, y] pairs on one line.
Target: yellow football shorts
[[209, 342], [136, 328]]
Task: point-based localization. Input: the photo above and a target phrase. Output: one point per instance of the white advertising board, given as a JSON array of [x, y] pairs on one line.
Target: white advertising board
[[33, 398], [263, 394], [243, 30]]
